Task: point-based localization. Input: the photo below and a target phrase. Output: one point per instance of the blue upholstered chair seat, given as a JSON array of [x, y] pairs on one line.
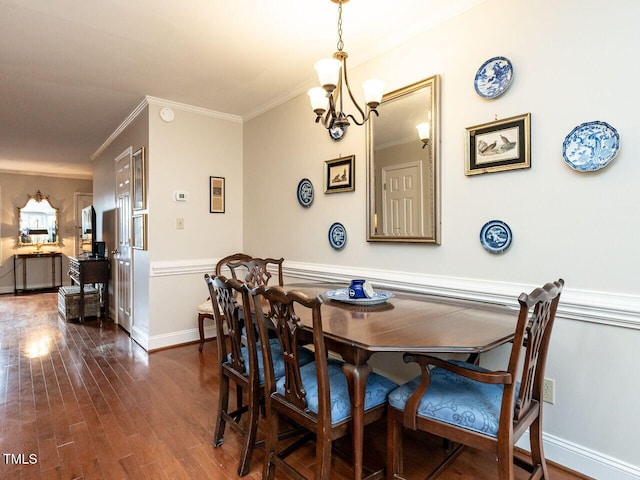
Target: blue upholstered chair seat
[[305, 355], [378, 387], [457, 400]]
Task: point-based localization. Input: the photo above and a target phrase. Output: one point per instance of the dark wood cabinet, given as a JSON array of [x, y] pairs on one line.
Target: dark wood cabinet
[[91, 270]]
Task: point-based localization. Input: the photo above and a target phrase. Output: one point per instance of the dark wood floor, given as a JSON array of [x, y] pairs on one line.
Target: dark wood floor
[[83, 401]]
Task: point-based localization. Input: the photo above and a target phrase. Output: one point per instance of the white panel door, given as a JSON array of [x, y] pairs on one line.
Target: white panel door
[[402, 202], [122, 256]]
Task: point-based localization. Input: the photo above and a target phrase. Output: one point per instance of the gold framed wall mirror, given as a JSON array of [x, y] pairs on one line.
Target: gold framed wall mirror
[[38, 222], [403, 166]]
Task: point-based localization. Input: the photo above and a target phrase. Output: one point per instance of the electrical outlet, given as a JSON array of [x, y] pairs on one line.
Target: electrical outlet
[[549, 391]]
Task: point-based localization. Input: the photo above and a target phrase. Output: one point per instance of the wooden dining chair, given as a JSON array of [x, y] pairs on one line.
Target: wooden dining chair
[[205, 309], [240, 361], [237, 363], [476, 407], [256, 270], [314, 396]]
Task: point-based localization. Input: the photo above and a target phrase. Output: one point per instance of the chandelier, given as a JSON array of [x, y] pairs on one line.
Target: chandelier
[[327, 101]]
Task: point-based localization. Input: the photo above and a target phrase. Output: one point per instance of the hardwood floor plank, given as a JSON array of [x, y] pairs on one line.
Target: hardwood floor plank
[[93, 405]]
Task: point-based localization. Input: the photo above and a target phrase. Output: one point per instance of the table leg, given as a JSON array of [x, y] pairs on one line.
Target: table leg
[[357, 381]]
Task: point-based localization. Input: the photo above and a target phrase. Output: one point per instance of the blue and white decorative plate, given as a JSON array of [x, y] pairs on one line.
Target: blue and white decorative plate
[[590, 146], [342, 295], [493, 77], [337, 236], [305, 192], [495, 236]]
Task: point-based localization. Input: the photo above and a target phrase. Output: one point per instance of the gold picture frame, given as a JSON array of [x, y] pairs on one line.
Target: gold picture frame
[[339, 174], [139, 231], [499, 145], [139, 200], [216, 194]]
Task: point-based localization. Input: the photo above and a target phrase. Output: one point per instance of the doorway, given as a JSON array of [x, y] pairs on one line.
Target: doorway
[[122, 255]]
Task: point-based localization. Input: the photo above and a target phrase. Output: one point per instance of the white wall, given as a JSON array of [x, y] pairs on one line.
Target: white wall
[[183, 155], [574, 61]]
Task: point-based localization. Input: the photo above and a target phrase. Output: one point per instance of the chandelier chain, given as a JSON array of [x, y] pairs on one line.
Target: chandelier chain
[[340, 44]]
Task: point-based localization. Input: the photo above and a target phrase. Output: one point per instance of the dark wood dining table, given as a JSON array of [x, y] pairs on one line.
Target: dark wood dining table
[[405, 323]]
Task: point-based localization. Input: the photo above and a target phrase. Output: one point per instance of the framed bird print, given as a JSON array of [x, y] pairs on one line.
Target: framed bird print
[[339, 174], [499, 145]]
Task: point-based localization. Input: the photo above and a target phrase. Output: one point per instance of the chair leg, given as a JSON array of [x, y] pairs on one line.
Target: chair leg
[[223, 406], [537, 449], [394, 446], [251, 432], [271, 442], [323, 457], [201, 318], [505, 463], [239, 403]]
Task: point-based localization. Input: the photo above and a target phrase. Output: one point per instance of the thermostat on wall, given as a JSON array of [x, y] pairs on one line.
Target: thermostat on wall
[[180, 196]]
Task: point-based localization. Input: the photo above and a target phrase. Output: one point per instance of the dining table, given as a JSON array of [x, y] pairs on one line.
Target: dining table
[[403, 322]]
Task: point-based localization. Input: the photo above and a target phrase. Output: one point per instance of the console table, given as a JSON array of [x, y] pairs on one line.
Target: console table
[[90, 270], [25, 257]]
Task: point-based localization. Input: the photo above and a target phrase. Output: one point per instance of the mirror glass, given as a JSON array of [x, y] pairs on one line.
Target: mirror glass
[[403, 166], [38, 221]]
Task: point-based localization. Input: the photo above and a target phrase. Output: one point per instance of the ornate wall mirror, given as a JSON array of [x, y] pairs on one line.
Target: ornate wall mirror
[[403, 167], [38, 221]]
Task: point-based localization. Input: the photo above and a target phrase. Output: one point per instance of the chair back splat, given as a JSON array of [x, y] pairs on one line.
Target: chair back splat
[[256, 270], [472, 406], [204, 309], [315, 395]]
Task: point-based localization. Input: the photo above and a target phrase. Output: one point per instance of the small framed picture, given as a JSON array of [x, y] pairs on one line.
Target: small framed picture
[[499, 145], [339, 175], [139, 187], [139, 232], [216, 194]]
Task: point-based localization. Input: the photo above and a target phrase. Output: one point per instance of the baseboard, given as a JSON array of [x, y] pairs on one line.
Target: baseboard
[[174, 339], [580, 459]]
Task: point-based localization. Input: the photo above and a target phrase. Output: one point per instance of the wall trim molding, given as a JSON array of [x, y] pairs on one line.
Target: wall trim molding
[[605, 308], [149, 100], [193, 109], [583, 460]]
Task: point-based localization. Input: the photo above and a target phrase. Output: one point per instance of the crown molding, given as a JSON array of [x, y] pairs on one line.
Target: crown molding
[[193, 109], [149, 100], [125, 123]]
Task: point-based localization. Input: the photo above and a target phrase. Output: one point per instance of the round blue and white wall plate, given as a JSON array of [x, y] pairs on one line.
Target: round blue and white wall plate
[[493, 77], [495, 236], [337, 236], [305, 192], [590, 146]]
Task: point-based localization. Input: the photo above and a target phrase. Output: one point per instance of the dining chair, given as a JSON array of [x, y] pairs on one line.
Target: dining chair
[[483, 409], [257, 270], [205, 309], [240, 361], [314, 396], [237, 363]]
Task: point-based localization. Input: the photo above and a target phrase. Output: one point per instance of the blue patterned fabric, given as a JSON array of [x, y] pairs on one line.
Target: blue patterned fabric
[[304, 355], [378, 387], [456, 400]]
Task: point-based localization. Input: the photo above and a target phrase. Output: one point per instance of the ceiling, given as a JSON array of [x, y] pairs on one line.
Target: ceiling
[[71, 72]]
